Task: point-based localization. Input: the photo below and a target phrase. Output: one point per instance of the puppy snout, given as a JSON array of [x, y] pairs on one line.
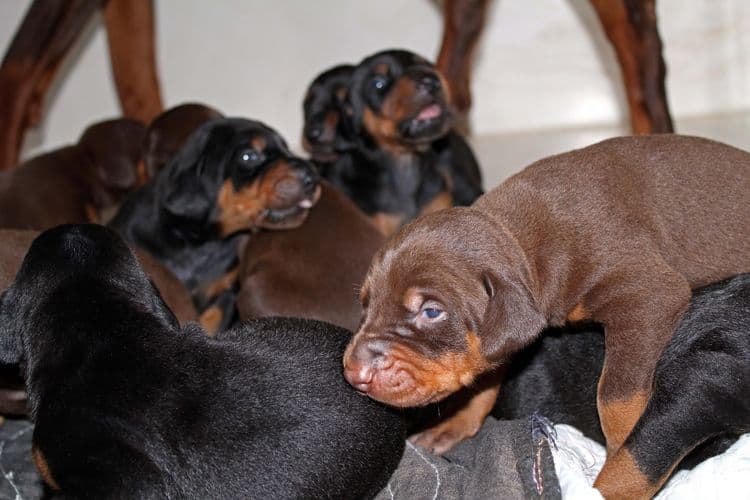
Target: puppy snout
[[361, 364]]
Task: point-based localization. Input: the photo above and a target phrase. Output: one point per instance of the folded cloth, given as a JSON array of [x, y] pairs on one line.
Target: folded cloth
[[578, 460], [508, 459]]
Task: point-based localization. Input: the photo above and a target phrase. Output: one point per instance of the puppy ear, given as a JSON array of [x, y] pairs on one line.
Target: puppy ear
[[115, 148], [161, 309], [184, 185], [11, 344], [511, 320]]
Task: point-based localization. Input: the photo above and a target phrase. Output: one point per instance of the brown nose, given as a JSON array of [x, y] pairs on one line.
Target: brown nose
[[359, 369]]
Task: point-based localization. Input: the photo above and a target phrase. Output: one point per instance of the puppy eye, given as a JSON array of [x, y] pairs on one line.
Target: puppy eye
[[432, 313], [379, 82], [250, 157]]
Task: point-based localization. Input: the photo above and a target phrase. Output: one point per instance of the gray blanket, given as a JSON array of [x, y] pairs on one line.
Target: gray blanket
[[507, 459]]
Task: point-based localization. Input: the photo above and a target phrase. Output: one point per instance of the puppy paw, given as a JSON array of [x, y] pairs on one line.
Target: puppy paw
[[442, 437]]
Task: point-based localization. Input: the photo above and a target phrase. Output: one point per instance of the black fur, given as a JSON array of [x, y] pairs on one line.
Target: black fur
[[175, 216], [699, 403], [127, 405], [425, 159]]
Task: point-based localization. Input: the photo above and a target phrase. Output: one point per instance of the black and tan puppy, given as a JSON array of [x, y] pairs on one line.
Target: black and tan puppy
[[313, 271], [616, 233], [699, 403], [75, 183], [232, 176], [128, 405], [327, 131], [407, 160]]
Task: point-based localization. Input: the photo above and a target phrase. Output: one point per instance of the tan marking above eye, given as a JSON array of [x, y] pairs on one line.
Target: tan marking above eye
[[413, 300], [258, 142], [382, 69]]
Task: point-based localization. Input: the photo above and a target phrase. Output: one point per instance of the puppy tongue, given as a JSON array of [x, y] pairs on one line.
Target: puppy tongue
[[430, 112]]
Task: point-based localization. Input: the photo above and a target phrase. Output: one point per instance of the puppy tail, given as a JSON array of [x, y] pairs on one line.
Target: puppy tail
[[11, 346]]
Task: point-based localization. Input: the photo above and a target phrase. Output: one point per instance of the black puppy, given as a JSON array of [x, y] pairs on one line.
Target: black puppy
[[327, 131], [407, 160], [127, 405], [232, 176], [699, 403]]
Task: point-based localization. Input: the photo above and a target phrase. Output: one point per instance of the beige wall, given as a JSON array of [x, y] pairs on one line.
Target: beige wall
[[543, 63]]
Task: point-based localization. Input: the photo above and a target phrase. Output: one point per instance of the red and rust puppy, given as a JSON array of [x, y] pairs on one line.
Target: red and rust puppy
[[168, 132], [615, 233], [327, 130], [75, 183], [232, 176], [407, 160], [313, 271]]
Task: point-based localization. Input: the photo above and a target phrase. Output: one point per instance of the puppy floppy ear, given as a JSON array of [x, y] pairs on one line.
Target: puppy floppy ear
[[11, 343], [184, 185], [511, 319], [115, 148]]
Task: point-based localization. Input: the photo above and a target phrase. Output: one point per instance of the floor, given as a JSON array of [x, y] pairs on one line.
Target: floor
[[503, 155]]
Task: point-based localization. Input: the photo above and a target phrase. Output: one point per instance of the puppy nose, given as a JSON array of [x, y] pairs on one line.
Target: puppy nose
[[313, 132], [429, 83], [360, 367]]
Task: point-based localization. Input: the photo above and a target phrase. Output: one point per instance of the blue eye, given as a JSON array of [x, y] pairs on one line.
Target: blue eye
[[431, 312]]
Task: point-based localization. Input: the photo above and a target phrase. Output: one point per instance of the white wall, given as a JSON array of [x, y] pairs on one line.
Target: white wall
[[543, 63]]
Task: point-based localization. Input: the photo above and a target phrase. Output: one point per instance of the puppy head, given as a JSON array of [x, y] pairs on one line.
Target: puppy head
[[114, 147], [63, 256], [399, 100], [447, 298], [237, 175], [168, 132], [327, 129]]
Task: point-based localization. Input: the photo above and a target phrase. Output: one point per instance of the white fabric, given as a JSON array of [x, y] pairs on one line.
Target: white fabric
[[579, 459]]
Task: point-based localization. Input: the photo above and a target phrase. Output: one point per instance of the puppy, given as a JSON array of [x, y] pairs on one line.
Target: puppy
[[128, 405], [168, 132], [327, 132], [698, 406], [616, 233], [12, 251], [407, 161], [75, 183], [312, 271], [232, 176]]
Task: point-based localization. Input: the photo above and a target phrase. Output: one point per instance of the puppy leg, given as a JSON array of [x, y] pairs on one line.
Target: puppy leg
[[640, 316], [697, 395], [466, 421]]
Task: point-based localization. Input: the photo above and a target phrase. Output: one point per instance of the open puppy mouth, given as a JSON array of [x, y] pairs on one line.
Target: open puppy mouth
[[293, 214], [430, 122]]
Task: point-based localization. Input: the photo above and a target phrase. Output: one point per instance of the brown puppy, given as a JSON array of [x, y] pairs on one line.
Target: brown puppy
[[168, 132], [313, 271], [616, 233], [74, 183]]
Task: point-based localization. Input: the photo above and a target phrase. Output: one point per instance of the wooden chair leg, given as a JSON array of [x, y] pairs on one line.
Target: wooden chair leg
[[631, 27], [45, 35], [463, 22], [130, 33]]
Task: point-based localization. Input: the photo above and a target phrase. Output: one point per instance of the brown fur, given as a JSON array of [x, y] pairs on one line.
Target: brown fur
[[74, 184], [168, 132], [620, 479], [43, 467], [312, 271], [625, 227]]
